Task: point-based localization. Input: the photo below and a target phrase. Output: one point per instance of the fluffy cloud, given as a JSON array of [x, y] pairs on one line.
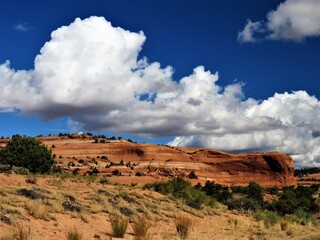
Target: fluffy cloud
[[292, 20], [90, 72]]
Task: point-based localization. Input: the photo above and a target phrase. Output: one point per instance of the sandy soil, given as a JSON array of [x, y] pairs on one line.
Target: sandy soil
[[100, 202]]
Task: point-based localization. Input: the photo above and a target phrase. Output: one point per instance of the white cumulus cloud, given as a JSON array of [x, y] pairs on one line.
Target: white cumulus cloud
[[90, 72], [293, 20]]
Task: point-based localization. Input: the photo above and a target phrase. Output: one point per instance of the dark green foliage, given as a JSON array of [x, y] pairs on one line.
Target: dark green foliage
[[253, 199], [28, 153], [140, 174], [272, 190], [81, 161], [93, 172], [255, 192], [116, 172], [5, 219], [292, 200], [75, 171], [56, 169], [104, 180], [29, 193], [217, 191], [306, 171], [315, 188], [71, 164], [5, 169], [126, 211], [239, 189], [243, 204], [68, 206], [192, 175], [181, 189]]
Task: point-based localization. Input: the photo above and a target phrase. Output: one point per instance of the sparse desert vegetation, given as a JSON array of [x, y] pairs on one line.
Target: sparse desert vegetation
[[103, 210], [68, 205]]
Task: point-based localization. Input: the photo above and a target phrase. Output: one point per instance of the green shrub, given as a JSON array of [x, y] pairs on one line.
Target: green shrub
[[20, 170], [104, 180], [291, 218], [182, 189], [305, 217], [243, 204], [217, 191], [255, 192], [28, 153], [273, 190], [192, 175], [269, 218], [293, 199], [238, 189], [5, 168], [116, 172]]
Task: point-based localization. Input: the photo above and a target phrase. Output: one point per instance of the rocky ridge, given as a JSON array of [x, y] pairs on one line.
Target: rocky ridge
[[160, 161]]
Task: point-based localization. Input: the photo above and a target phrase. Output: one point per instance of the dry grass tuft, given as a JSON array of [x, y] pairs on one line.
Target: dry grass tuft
[[140, 229], [38, 210], [22, 233], [7, 237], [74, 234], [183, 226], [233, 224], [119, 226]]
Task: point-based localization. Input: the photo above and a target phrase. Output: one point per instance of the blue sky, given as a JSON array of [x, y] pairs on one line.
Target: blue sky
[[248, 47]]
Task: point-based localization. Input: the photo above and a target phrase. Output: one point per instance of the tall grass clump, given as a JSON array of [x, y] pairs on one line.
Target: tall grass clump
[[183, 226], [74, 234], [140, 229], [233, 224], [7, 237], [22, 233], [119, 226], [38, 210]]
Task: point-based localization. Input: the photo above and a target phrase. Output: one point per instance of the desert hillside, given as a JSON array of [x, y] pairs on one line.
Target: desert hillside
[[98, 188], [49, 207]]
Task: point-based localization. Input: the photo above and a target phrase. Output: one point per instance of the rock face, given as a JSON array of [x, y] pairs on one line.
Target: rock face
[[267, 169], [160, 161]]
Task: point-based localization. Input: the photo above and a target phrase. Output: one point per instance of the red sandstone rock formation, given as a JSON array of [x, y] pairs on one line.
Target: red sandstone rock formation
[[267, 169]]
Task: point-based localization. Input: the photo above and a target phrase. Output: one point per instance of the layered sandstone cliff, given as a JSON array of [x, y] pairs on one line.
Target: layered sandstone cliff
[[160, 161]]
